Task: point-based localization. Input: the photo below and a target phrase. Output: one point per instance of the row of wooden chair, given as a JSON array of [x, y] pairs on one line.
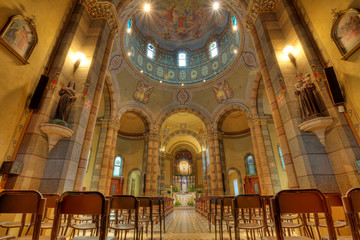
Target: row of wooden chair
[[90, 211], [261, 216]]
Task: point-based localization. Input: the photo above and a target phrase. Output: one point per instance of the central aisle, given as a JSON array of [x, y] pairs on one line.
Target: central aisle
[[186, 224]]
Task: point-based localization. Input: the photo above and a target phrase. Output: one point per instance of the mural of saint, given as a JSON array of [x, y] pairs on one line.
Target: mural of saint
[[142, 93], [223, 92]]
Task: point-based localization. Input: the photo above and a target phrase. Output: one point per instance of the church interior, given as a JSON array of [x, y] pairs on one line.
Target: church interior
[[190, 110]]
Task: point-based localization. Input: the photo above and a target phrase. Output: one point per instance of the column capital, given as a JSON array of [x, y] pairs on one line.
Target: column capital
[[103, 10], [108, 123], [259, 120], [255, 8]]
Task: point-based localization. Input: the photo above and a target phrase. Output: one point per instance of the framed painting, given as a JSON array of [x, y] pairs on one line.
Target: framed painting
[[19, 37], [345, 31]]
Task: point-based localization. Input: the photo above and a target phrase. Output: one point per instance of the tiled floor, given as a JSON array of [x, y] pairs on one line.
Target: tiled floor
[[186, 224]]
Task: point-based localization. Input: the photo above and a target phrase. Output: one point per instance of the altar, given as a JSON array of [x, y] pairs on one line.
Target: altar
[[185, 199]]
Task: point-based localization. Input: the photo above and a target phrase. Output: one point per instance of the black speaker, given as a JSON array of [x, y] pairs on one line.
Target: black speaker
[[223, 182], [39, 91], [334, 87]]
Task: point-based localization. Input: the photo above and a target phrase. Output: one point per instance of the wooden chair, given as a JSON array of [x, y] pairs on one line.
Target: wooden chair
[[249, 214], [130, 205], [47, 221], [300, 201], [145, 216], [351, 202], [82, 203], [225, 215], [157, 211], [24, 202]]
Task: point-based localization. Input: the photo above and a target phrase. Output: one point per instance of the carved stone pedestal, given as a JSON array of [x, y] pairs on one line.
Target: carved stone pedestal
[[317, 126], [55, 132]]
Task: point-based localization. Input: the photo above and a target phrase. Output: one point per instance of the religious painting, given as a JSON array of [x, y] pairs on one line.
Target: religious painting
[[346, 31], [142, 93], [185, 23], [223, 92], [20, 37]]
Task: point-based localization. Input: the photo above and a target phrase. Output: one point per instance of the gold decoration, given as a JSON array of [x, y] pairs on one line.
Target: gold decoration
[[255, 8], [103, 10]]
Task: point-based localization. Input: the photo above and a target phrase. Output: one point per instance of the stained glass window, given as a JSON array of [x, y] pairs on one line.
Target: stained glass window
[[236, 188], [182, 59], [234, 20], [213, 49], [281, 158], [129, 23], [117, 166], [150, 51], [251, 165]]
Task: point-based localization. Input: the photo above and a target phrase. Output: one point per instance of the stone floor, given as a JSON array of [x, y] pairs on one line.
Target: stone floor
[[186, 223]]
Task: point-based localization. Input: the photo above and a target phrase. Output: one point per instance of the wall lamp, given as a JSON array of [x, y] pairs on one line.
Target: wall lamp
[[79, 56], [289, 51]]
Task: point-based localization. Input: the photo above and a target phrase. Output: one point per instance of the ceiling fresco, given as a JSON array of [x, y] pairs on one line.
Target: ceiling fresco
[[181, 23]]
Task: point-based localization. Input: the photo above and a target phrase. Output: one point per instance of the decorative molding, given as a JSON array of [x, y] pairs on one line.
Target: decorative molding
[[259, 120], [255, 8], [103, 10], [108, 123]]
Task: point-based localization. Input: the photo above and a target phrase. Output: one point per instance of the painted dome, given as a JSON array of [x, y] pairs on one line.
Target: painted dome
[[181, 43]]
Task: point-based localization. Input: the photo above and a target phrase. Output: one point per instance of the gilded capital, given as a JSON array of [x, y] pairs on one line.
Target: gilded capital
[[255, 8], [103, 10]]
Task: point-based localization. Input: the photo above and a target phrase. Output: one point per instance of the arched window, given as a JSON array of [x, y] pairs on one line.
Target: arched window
[[234, 20], [88, 161], [250, 165], [129, 26], [150, 51], [182, 59], [281, 157], [118, 166], [213, 49]]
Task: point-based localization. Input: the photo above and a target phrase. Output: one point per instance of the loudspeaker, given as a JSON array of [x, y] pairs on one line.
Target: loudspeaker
[[39, 91], [334, 87], [223, 182]]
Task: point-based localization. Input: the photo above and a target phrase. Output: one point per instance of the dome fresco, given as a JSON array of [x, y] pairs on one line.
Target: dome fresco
[[180, 24], [154, 42]]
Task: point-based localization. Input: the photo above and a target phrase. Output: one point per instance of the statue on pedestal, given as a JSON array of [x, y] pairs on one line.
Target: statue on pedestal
[[67, 98], [310, 107]]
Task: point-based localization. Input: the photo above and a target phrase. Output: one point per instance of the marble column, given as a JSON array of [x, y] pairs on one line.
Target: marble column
[[108, 159], [212, 185], [256, 156], [219, 173], [263, 160], [279, 126]]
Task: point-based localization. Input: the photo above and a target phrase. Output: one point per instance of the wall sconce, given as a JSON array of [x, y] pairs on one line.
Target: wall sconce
[[289, 51], [79, 56]]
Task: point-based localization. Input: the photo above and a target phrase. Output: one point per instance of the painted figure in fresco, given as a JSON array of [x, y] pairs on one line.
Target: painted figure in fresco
[[142, 93], [67, 98], [222, 91], [304, 88]]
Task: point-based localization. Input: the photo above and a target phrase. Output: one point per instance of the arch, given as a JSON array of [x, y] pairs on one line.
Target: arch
[[169, 110], [220, 115], [240, 186], [138, 109], [254, 93], [183, 131], [114, 98], [128, 184]]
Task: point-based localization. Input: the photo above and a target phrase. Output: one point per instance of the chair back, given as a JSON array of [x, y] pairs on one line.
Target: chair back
[[51, 200], [83, 203], [144, 203], [301, 201], [24, 201], [226, 204], [351, 202], [126, 202]]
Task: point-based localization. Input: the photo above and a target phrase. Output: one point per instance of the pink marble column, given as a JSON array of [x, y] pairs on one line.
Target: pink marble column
[[93, 114], [279, 126]]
